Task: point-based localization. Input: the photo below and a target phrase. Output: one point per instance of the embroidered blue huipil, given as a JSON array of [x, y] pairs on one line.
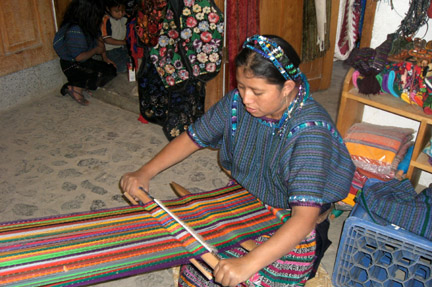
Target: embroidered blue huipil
[[305, 162]]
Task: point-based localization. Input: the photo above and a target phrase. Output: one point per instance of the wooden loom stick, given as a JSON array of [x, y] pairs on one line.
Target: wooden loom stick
[[179, 190], [249, 245], [208, 257], [130, 198]]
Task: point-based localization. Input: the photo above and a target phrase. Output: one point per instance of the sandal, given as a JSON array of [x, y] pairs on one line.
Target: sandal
[[87, 93], [78, 97]]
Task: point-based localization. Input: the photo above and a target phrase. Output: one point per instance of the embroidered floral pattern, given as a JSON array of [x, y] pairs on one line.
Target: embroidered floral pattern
[[173, 110], [197, 35], [150, 15]]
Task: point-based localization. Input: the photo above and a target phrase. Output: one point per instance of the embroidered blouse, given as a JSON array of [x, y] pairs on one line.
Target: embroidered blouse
[[302, 162]]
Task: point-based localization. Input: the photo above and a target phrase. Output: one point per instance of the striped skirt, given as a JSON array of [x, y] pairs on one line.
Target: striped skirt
[[292, 269]]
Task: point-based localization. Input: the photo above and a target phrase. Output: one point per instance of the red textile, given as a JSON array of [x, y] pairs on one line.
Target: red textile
[[242, 22], [352, 17], [142, 119], [429, 11], [136, 51]]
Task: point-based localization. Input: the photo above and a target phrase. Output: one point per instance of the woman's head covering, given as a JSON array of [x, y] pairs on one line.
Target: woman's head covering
[[273, 52]]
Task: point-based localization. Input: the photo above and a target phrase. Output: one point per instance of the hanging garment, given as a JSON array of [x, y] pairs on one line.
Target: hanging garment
[[347, 32], [172, 109], [242, 22], [190, 43]]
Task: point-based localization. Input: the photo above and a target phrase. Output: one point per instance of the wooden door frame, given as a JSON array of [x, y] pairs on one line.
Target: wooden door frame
[[367, 29], [60, 7]]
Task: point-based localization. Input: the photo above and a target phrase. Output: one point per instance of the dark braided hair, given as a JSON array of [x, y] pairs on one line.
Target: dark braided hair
[[87, 14]]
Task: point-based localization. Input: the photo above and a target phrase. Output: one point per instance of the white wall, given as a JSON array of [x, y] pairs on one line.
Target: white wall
[[387, 21]]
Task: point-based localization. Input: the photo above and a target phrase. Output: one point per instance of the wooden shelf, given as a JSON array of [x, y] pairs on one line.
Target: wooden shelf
[[351, 111], [422, 163], [390, 103]]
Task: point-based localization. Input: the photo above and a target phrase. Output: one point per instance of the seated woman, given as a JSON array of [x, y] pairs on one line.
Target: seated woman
[[282, 146]]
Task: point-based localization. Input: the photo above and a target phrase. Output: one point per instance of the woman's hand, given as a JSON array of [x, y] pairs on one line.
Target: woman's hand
[[177, 150], [99, 49], [233, 271], [131, 182], [230, 272]]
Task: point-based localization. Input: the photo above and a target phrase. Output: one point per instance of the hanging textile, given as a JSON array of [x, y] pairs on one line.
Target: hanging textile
[[321, 11], [90, 247], [242, 22], [316, 29], [348, 28]]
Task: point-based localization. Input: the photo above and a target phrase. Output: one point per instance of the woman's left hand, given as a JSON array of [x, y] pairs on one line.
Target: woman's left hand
[[233, 271]]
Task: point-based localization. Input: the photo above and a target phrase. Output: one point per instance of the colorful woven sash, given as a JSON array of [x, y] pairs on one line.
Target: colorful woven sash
[[91, 247]]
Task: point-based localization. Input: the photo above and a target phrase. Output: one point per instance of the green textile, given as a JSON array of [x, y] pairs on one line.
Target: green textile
[[310, 48]]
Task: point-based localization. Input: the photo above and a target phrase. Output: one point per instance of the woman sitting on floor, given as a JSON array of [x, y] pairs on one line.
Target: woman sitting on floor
[[283, 147]]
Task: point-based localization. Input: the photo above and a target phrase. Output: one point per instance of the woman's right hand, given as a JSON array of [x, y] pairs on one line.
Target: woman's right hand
[[98, 50], [131, 183], [174, 152]]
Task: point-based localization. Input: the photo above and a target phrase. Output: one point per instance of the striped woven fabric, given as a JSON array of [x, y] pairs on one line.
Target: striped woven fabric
[[86, 248]]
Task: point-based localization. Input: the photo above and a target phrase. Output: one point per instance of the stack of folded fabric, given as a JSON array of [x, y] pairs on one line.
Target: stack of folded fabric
[[377, 151]]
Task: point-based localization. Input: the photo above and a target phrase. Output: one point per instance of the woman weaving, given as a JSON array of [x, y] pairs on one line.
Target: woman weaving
[[278, 143]]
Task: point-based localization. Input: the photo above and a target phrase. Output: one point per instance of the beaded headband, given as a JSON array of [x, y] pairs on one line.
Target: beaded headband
[[272, 51]]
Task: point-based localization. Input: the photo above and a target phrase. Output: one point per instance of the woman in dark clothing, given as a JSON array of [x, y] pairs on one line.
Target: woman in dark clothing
[[76, 42]]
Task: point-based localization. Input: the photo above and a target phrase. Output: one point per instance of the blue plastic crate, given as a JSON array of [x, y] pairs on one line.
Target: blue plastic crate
[[373, 255]]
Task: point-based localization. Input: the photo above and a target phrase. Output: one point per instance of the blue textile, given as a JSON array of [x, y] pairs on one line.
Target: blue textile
[[397, 202], [305, 165], [70, 41]]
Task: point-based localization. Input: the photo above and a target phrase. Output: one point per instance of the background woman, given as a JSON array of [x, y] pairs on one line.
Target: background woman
[[76, 42]]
